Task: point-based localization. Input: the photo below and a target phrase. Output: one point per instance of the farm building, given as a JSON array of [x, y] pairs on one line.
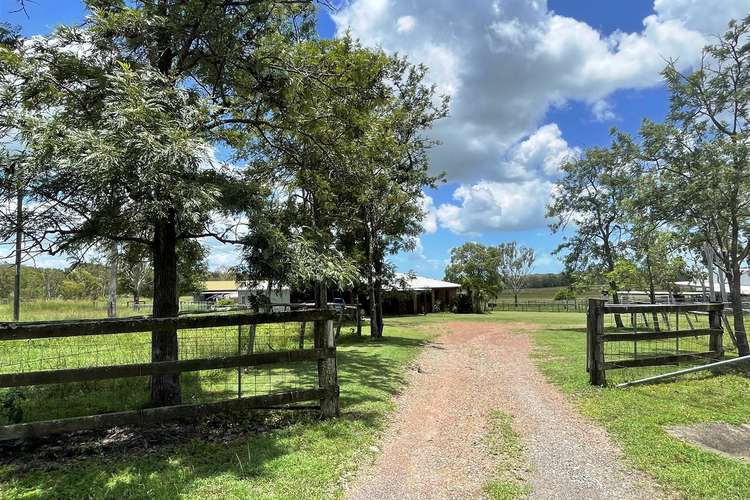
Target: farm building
[[214, 290], [419, 295]]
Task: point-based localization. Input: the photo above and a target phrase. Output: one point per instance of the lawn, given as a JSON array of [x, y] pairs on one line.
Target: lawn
[[637, 416], [303, 457]]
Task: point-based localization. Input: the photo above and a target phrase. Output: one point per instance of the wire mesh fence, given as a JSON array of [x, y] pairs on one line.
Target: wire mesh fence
[[629, 342], [92, 356]]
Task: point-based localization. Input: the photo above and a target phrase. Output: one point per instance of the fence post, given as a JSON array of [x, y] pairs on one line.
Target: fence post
[[716, 342], [327, 376], [594, 346]]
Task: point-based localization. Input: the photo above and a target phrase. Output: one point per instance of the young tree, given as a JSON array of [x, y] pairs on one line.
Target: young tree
[[476, 268], [353, 181], [136, 273], [591, 197], [516, 263], [701, 157]]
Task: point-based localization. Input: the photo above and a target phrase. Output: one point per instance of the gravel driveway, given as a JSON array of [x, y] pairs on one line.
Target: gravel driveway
[[435, 446]]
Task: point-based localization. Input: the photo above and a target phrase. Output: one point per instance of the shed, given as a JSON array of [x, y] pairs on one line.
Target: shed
[[419, 295]]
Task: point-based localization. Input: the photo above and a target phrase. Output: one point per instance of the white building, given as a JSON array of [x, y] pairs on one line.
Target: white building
[[215, 290]]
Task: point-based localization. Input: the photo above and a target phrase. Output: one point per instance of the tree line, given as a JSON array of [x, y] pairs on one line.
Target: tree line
[[156, 123], [645, 210]]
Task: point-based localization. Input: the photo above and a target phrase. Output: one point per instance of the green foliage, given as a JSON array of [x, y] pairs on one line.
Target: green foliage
[[696, 165], [591, 196], [516, 263], [565, 294], [476, 268], [192, 266], [626, 275], [10, 406]]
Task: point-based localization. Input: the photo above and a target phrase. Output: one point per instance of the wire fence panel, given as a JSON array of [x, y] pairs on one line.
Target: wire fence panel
[[632, 341], [223, 357], [540, 305]]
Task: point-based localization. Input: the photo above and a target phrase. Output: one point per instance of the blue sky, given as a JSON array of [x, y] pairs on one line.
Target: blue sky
[[531, 84]]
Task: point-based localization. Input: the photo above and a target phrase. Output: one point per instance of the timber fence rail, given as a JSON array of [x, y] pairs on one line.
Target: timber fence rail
[[635, 340], [65, 376]]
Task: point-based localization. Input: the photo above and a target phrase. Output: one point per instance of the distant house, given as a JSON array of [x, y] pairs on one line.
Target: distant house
[[419, 295], [215, 290]]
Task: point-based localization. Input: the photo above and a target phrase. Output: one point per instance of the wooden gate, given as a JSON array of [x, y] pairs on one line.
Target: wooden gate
[[643, 335]]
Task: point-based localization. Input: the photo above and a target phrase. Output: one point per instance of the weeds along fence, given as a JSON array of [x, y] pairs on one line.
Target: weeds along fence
[[73, 375], [629, 341]]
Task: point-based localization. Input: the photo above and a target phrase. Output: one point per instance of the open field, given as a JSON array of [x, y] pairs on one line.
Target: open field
[[301, 456], [547, 293]]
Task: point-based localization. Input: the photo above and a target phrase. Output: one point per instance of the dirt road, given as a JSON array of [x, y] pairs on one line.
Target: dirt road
[[435, 447]]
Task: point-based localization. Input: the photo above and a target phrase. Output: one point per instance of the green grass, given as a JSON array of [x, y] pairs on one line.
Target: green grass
[[305, 459], [637, 416], [308, 457], [546, 293], [505, 445]]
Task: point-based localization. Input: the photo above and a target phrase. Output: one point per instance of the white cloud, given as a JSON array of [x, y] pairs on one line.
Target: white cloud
[[702, 15], [515, 204], [492, 206], [541, 154], [405, 24], [603, 111], [505, 63], [429, 223]]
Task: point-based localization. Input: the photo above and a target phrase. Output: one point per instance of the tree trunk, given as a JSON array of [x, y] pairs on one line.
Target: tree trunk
[[374, 333], [19, 241], [112, 288], [739, 318], [165, 389], [515, 299], [652, 293], [379, 296]]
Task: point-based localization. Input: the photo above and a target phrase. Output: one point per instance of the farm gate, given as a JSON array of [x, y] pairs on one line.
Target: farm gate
[[638, 339], [64, 376]]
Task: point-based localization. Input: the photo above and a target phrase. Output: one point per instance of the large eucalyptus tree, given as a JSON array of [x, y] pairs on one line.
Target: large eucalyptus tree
[[700, 157]]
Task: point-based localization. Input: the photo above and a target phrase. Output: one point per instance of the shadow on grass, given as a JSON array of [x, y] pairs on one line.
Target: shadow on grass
[[224, 452]]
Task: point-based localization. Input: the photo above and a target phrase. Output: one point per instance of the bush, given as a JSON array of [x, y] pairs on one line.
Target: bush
[[226, 302], [463, 304], [565, 294]]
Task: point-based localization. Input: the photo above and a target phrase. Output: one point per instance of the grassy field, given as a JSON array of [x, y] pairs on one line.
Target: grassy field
[[547, 293], [302, 459], [637, 416], [305, 457]]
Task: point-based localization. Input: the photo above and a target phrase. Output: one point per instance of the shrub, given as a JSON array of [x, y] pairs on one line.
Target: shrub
[[565, 294]]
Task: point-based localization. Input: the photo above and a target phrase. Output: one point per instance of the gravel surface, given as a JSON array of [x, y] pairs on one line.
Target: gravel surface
[[435, 447]]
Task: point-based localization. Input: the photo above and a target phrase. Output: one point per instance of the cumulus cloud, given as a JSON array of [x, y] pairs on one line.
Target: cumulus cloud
[[429, 223], [515, 204], [492, 206], [405, 24], [505, 63]]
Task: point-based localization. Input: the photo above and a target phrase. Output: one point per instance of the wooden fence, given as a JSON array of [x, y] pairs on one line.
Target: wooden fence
[[323, 352], [572, 305], [634, 337]]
